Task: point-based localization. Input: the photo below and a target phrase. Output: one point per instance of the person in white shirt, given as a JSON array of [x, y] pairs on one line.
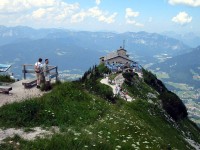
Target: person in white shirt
[[38, 71]]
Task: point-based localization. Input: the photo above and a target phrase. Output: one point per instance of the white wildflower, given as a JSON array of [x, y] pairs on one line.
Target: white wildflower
[[133, 145], [145, 142], [118, 146]]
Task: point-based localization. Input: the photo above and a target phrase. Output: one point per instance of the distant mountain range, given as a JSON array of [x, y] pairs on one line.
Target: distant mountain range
[[80, 49], [190, 38], [184, 68]]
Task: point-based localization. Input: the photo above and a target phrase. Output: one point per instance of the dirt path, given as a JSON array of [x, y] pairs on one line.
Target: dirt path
[[31, 135], [19, 93], [118, 80]]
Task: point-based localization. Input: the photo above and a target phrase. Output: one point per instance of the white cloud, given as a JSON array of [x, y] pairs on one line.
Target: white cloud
[[36, 12], [130, 17], [109, 19], [182, 18], [49, 13], [193, 3], [10, 6], [40, 13], [98, 2], [131, 13], [79, 17], [19, 6], [96, 13]]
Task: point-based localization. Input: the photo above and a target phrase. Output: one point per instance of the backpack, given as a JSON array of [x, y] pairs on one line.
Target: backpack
[[37, 68]]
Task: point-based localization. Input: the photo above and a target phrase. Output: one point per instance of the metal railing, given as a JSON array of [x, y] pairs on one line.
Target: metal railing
[[29, 68]]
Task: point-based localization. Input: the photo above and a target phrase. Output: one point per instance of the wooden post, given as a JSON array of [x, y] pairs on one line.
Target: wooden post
[[24, 67], [26, 70], [56, 73]]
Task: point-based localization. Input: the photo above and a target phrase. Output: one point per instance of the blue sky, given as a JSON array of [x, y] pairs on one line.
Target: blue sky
[[104, 15]]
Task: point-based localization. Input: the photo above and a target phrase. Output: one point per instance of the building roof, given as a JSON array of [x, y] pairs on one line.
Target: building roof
[[111, 55], [121, 57], [115, 54]]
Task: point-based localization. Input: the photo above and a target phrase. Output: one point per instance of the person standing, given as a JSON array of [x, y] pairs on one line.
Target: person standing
[[47, 74], [38, 72], [46, 70], [116, 89]]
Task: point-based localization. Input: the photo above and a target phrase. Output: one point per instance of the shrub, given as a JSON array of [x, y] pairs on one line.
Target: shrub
[[100, 89], [91, 82], [95, 72], [105, 91], [152, 80], [6, 78], [130, 77], [173, 105], [103, 69]]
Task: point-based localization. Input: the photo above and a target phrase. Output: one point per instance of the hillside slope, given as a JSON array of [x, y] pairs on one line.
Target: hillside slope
[[90, 117], [182, 75], [183, 68]]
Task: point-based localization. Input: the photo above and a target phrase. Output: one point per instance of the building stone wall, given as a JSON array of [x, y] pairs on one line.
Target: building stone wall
[[118, 56], [118, 60], [121, 52]]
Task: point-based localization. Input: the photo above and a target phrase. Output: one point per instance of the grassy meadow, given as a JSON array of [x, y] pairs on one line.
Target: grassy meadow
[[87, 121]]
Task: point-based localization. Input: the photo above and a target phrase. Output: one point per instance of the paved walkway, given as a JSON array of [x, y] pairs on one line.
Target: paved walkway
[[118, 80], [19, 93]]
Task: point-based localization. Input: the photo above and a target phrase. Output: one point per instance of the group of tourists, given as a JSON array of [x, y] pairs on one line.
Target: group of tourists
[[42, 72], [120, 92], [117, 89]]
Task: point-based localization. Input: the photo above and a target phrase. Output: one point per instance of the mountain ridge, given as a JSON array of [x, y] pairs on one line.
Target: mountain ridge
[[88, 116], [143, 46], [176, 66]]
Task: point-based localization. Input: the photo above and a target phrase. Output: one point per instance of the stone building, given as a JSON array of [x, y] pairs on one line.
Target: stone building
[[118, 57]]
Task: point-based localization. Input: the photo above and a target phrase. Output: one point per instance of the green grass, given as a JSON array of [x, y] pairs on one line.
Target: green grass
[[89, 122], [139, 89], [66, 105]]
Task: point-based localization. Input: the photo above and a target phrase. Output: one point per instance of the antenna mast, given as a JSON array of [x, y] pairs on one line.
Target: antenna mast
[[123, 44]]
